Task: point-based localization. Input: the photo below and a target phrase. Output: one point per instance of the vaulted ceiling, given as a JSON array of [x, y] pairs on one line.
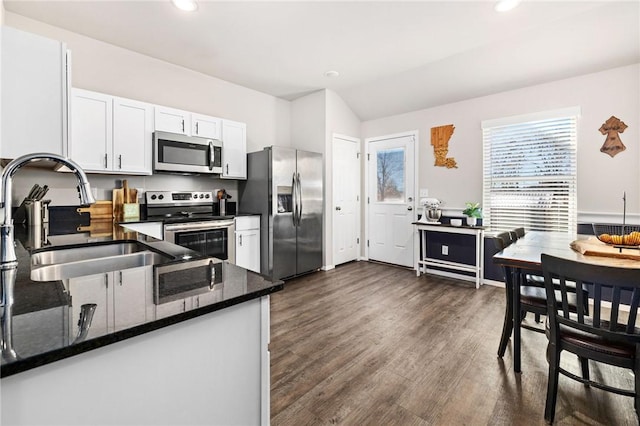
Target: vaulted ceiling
[[392, 56]]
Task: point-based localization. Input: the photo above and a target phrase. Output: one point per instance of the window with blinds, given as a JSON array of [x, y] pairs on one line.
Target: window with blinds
[[530, 172]]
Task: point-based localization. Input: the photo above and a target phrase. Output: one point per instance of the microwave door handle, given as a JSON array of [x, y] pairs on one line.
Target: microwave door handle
[[212, 275], [212, 155]]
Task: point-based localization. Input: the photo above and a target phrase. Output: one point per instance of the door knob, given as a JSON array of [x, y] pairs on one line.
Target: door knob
[[410, 199], [338, 208]]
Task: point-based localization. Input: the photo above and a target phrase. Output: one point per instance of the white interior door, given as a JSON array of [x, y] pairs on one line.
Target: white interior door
[[346, 199], [391, 187]]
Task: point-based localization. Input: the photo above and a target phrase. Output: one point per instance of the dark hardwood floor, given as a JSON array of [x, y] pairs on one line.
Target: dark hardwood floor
[[371, 344]]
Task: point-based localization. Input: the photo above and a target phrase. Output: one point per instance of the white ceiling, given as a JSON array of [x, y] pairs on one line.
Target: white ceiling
[[393, 56]]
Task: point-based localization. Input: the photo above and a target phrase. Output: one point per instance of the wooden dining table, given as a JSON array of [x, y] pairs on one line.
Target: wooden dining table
[[524, 257]]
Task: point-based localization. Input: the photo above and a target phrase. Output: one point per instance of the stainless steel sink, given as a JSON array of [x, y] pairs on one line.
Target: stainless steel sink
[[53, 265]]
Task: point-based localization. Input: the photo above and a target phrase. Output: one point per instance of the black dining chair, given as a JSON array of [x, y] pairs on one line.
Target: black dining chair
[[601, 337], [532, 298]]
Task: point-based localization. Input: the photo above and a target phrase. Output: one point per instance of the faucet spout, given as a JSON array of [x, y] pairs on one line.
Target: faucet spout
[[8, 259]]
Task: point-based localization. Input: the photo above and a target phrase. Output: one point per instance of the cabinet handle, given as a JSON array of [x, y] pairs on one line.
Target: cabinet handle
[[105, 160], [106, 280], [197, 301], [409, 208], [120, 161], [120, 278], [212, 277], [338, 208], [227, 168], [240, 239], [184, 305], [197, 133], [183, 125]]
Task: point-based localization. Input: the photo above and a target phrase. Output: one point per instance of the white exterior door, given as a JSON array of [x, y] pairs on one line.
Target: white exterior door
[[346, 199], [391, 205]]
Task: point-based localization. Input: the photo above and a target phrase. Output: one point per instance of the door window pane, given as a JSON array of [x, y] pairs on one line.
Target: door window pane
[[391, 172]]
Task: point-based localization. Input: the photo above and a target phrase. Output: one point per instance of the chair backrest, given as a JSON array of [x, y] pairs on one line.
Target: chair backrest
[[502, 240], [620, 283], [519, 232]]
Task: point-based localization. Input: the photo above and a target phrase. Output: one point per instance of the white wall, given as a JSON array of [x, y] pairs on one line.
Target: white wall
[[601, 179]]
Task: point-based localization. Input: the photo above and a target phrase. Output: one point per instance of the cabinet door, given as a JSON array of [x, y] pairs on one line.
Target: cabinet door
[[172, 308], [172, 120], [130, 297], [34, 94], [234, 150], [132, 136], [91, 130], [248, 249], [205, 126], [91, 289]]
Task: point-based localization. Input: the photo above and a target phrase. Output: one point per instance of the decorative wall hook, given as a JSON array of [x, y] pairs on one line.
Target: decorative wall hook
[[612, 128]]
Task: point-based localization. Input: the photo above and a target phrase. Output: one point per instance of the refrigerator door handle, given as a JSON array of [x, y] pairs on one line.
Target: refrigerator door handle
[[299, 199], [294, 196]]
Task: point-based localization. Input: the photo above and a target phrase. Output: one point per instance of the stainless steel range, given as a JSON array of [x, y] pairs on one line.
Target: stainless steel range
[[189, 222]]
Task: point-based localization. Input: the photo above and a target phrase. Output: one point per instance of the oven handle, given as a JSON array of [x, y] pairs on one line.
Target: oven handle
[[198, 225]]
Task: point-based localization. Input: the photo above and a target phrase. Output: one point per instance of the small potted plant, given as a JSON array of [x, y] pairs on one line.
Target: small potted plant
[[473, 212]]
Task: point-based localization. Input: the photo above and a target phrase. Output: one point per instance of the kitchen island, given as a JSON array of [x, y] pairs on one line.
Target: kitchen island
[[159, 348]]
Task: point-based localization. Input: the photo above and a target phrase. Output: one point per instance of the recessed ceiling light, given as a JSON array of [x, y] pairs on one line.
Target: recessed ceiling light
[[186, 5], [505, 5], [331, 73]]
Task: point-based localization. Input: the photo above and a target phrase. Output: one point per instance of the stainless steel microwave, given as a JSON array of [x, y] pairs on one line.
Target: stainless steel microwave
[[177, 153]]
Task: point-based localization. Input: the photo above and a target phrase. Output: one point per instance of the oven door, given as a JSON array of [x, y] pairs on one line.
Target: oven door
[[214, 238], [186, 154]]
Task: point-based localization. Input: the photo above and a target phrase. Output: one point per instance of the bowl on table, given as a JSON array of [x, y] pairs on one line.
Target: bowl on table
[[456, 222]]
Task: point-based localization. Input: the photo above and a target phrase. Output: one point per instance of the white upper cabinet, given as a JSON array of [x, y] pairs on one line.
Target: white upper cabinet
[[234, 150], [132, 136], [91, 130], [110, 134], [172, 120], [205, 126], [34, 94]]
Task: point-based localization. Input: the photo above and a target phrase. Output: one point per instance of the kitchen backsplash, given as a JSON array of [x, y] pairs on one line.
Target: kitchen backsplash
[[63, 191]]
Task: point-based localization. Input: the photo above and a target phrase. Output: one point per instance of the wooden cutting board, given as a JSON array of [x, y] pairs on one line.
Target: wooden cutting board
[[122, 196], [101, 210], [594, 247], [98, 228]]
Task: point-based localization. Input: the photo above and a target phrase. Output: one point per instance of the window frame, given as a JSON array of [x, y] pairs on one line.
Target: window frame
[[515, 193]]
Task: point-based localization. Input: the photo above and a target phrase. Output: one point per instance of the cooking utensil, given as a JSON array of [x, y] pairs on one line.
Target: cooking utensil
[[44, 191], [34, 189]]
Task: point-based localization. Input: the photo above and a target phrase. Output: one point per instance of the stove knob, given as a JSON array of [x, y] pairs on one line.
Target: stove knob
[[207, 196], [201, 195], [194, 195], [160, 197], [153, 197]]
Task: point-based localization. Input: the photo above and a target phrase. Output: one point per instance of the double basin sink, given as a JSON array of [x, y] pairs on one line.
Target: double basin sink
[[64, 263]]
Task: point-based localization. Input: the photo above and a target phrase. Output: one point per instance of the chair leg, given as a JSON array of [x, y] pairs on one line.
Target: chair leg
[[553, 355], [507, 327], [636, 373], [584, 363]]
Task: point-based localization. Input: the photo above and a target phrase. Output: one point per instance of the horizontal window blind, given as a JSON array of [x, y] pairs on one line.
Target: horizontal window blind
[[530, 174]]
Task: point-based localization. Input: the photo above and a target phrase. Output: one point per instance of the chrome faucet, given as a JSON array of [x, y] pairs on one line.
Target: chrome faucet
[[8, 259]]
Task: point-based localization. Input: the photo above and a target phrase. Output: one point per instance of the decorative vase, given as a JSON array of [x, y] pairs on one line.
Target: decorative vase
[[472, 221]]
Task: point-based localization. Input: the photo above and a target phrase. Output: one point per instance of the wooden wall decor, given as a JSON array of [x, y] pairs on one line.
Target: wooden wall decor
[[440, 140], [612, 128]]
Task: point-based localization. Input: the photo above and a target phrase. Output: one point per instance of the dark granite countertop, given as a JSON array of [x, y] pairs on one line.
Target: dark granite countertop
[[44, 316]]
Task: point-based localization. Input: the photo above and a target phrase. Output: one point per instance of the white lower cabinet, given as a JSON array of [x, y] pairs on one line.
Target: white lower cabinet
[[248, 242], [110, 134], [121, 300]]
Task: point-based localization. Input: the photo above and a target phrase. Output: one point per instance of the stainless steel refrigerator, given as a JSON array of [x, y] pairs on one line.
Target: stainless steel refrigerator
[[284, 186]]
